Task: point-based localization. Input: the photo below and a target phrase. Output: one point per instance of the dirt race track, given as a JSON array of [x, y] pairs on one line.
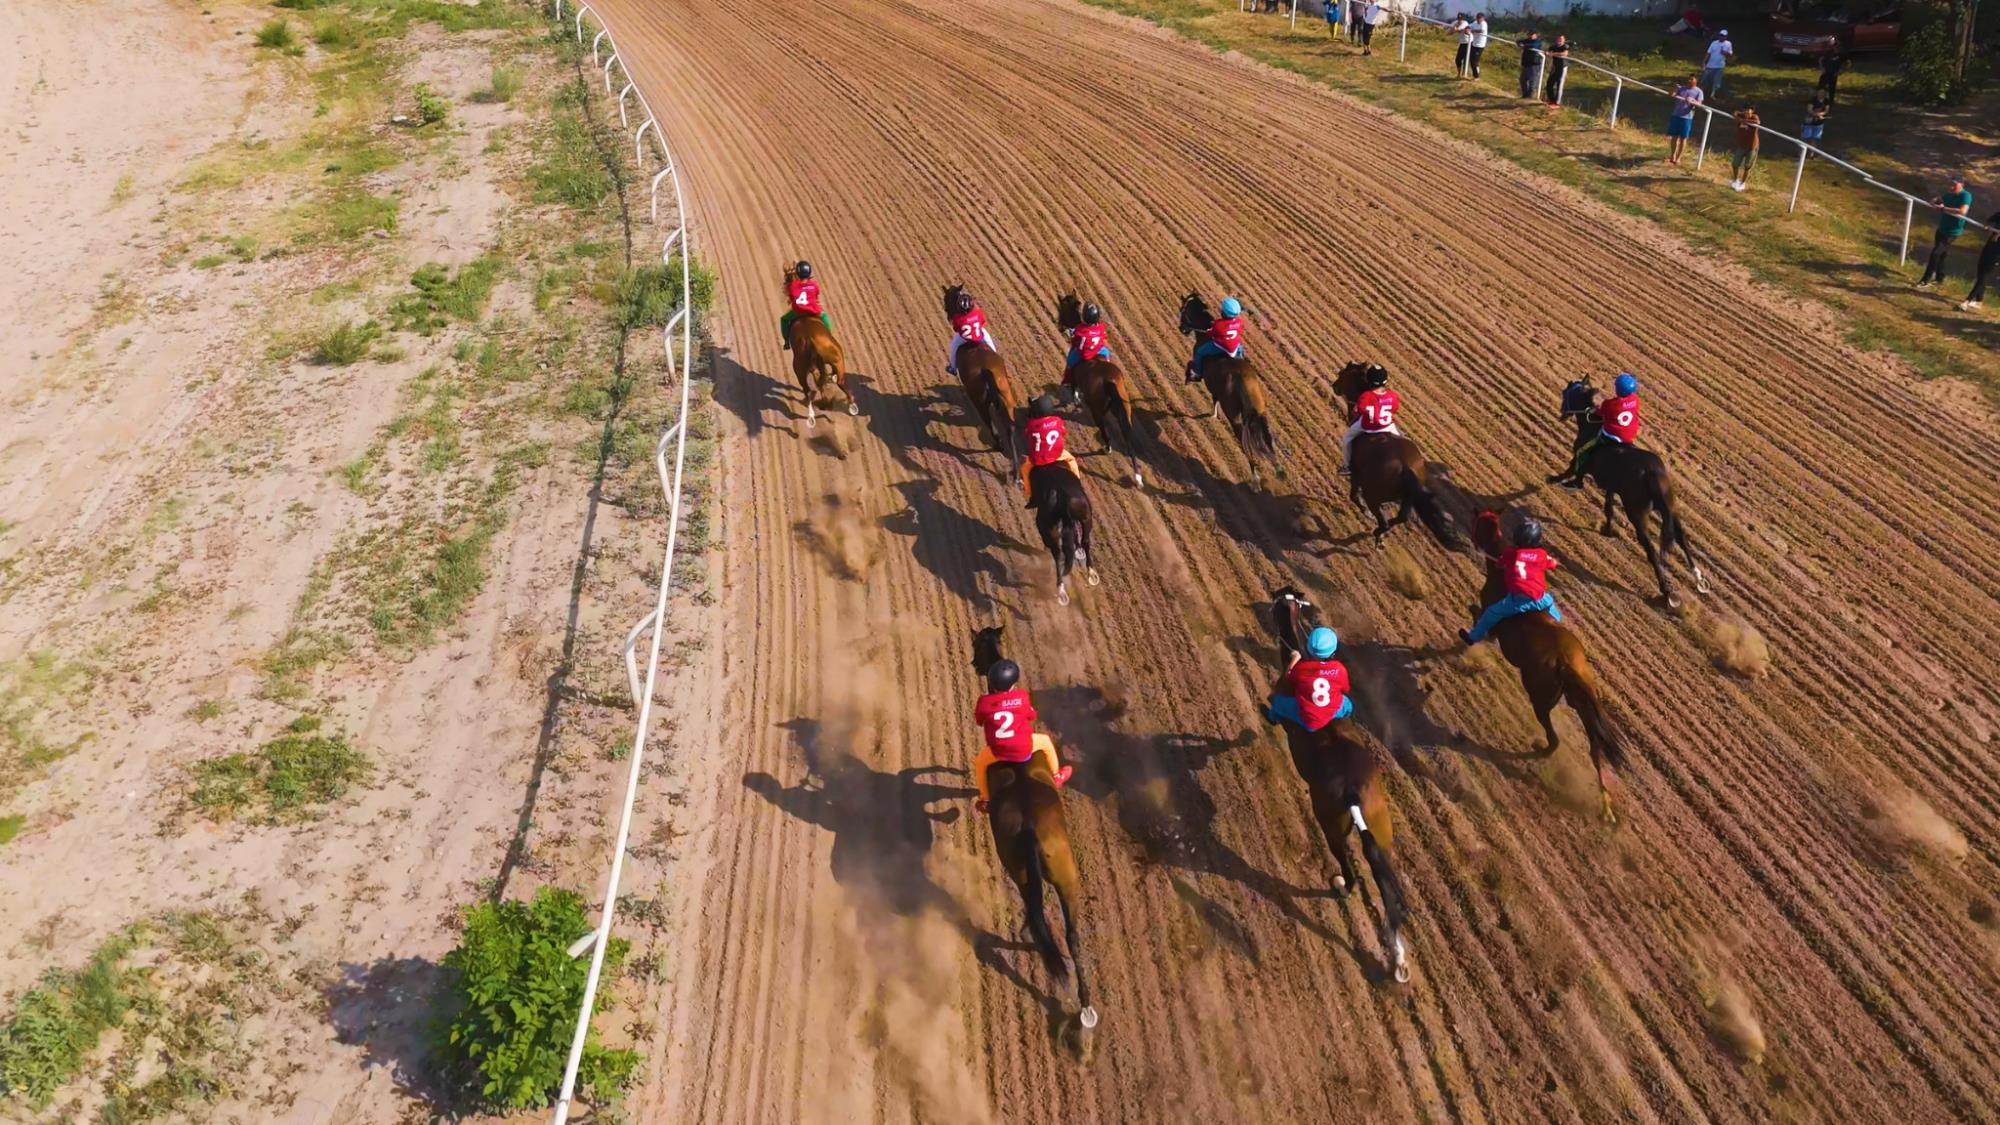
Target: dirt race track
[[1793, 919]]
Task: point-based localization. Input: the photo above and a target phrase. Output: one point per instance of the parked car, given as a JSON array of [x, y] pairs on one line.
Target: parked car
[[1809, 31]]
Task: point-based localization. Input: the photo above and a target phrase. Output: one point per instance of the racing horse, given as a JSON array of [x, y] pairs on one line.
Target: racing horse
[[996, 399], [1032, 839], [1102, 386], [1345, 785], [1389, 467], [1637, 479], [817, 361], [1553, 666], [1238, 392], [1062, 517]]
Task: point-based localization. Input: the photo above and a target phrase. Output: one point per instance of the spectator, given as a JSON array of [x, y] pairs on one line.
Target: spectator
[[1815, 126], [1333, 20], [1831, 65], [1691, 23], [1355, 21], [1370, 16], [1558, 69], [1953, 206], [1989, 260], [1463, 27], [1680, 123], [1719, 51], [1531, 64], [1480, 35], [1747, 136]]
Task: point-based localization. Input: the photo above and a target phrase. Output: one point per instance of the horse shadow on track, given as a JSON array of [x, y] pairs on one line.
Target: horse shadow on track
[[753, 395], [1253, 516], [902, 423], [952, 545]]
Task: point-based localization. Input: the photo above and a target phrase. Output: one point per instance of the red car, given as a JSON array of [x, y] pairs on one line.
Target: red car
[[1814, 31]]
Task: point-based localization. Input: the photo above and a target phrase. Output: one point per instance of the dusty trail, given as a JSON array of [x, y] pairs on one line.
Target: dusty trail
[[854, 957]]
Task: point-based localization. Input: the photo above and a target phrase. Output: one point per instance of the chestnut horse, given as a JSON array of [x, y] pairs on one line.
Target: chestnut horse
[[1032, 839], [1637, 479], [1389, 467], [817, 362], [1553, 666], [996, 400], [1345, 785], [1238, 392], [1104, 390]]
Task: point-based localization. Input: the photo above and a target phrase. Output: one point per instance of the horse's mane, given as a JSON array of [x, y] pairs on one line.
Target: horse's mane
[[791, 271], [1195, 316], [1069, 311], [950, 292]]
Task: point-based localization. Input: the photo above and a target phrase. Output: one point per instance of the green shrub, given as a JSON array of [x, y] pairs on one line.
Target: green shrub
[[514, 991], [58, 1022], [336, 31], [442, 296], [278, 35], [506, 83], [431, 109], [349, 343], [299, 769], [1928, 61], [648, 295]]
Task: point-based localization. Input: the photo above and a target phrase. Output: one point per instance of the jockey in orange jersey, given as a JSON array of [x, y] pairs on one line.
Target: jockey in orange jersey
[[802, 293], [968, 325], [1048, 443], [1373, 413], [1007, 718]]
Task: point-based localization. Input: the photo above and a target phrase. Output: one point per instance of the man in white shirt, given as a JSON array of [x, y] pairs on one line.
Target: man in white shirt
[[1370, 16], [1720, 50], [1479, 37], [1463, 28]]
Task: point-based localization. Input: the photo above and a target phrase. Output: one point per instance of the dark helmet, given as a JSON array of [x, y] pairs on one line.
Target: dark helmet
[[1092, 314], [962, 303], [1528, 533], [804, 269], [1003, 676], [1044, 406], [1376, 376]]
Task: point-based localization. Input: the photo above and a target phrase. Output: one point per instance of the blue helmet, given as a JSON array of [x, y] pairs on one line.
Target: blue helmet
[[1322, 643], [1627, 384], [1232, 307]]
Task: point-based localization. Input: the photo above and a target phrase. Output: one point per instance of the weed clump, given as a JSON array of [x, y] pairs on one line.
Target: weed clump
[[285, 779], [348, 343], [442, 296], [278, 36]]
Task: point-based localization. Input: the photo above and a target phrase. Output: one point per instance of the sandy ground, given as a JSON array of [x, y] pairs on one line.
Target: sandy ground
[[1787, 924]]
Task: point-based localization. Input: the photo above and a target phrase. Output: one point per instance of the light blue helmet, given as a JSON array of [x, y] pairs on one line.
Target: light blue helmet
[[1627, 384], [1232, 307], [1322, 643]]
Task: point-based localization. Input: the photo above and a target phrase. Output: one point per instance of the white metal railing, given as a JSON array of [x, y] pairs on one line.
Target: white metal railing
[[675, 435], [1351, 11]]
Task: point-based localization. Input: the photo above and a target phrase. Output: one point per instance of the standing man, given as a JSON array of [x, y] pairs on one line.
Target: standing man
[[1747, 136], [1463, 27], [1680, 123], [1831, 65], [1953, 206], [1531, 64], [1479, 39], [1719, 51], [1989, 260], [1558, 68], [1370, 16]]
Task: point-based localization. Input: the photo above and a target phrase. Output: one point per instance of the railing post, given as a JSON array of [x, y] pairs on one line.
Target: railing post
[[579, 24], [1617, 93], [595, 42], [607, 72], [1295, 16], [623, 123], [1909, 216], [1797, 178], [639, 140], [1707, 123], [1403, 47]]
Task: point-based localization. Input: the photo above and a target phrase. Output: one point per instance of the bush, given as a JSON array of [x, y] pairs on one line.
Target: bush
[[278, 36], [648, 295], [346, 344], [288, 775], [431, 109], [506, 83], [1928, 61], [442, 296], [515, 990]]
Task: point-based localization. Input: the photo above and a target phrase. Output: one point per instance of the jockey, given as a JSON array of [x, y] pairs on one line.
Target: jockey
[[1373, 413], [1619, 421], [1225, 338], [968, 325], [1007, 718], [1313, 691], [803, 293], [1525, 566], [1086, 341], [1048, 442]]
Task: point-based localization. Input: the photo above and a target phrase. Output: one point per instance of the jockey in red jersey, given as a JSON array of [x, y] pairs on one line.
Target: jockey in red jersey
[[1313, 691], [1618, 419], [1086, 341], [1373, 413], [1525, 566], [802, 293], [1048, 443], [1007, 718], [968, 323], [1225, 338]]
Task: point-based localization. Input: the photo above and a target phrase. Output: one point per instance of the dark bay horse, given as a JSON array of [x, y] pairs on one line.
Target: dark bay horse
[[996, 399], [1102, 386], [1385, 468], [1345, 785], [1062, 516], [817, 361], [1637, 479], [1553, 666], [1025, 812], [1238, 391]]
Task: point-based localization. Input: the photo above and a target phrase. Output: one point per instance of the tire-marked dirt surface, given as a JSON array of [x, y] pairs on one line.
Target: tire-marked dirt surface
[[1793, 918]]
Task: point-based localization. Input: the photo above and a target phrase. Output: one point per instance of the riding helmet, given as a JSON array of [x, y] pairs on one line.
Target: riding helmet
[[1232, 307], [1322, 643], [1044, 406], [1528, 533], [804, 270], [1092, 314], [1376, 376], [1627, 384], [962, 303], [1003, 676]]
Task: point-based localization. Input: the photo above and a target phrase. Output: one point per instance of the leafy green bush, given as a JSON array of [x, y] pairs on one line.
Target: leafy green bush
[[58, 1022], [278, 35], [515, 991], [442, 296], [1928, 60], [292, 773], [431, 109], [648, 295], [506, 83], [349, 343]]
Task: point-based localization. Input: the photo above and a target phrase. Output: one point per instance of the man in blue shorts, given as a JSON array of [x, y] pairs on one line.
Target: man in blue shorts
[[1680, 125]]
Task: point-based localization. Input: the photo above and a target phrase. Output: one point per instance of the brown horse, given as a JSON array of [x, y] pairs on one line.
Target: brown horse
[[1553, 666], [817, 361], [996, 399], [1345, 785], [1238, 391], [1062, 519], [1389, 467], [1025, 811], [1635, 478], [1102, 386]]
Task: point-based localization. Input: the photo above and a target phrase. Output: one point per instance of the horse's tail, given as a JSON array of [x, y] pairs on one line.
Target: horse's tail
[[1430, 511], [1068, 519], [997, 418], [1394, 909], [1671, 532], [1031, 896], [1579, 686], [1119, 408]]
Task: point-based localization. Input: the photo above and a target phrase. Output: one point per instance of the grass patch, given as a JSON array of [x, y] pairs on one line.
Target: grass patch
[[347, 216], [648, 295], [207, 709], [431, 109], [568, 167], [505, 83], [442, 296], [10, 827], [31, 688], [286, 779], [278, 35], [57, 1023], [346, 344], [289, 665], [209, 261]]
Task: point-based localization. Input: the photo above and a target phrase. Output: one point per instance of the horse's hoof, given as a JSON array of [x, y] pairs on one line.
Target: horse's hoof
[[1087, 1019], [1340, 886], [1138, 480], [1701, 583], [1673, 601], [1402, 962], [1093, 576], [854, 410], [1062, 594], [1608, 531], [810, 419]]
